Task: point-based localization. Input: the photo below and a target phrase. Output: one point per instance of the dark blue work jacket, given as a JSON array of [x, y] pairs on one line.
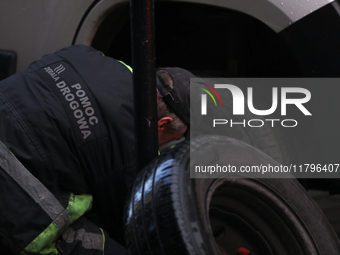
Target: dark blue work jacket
[[69, 120]]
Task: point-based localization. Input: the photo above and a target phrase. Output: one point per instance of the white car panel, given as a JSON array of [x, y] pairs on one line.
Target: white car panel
[[47, 25]]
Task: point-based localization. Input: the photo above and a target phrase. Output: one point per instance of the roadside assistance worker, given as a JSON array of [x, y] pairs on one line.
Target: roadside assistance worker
[[67, 149]]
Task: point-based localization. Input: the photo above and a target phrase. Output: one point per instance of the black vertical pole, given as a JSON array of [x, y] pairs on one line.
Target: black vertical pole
[[144, 79]]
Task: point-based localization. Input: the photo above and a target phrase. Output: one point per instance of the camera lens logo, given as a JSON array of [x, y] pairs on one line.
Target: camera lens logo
[[204, 97]]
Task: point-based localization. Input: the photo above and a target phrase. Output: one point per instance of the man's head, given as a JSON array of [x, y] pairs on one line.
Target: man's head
[[173, 99]]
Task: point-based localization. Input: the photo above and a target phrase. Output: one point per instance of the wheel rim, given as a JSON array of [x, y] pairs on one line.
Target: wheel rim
[[246, 216]]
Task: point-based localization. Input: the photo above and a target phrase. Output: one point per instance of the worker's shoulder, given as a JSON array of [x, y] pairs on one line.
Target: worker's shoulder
[[77, 49]]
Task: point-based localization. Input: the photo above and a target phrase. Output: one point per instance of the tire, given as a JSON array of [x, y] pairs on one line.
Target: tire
[[170, 213]]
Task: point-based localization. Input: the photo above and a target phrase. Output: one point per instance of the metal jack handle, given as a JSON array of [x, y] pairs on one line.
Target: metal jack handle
[[144, 80]]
